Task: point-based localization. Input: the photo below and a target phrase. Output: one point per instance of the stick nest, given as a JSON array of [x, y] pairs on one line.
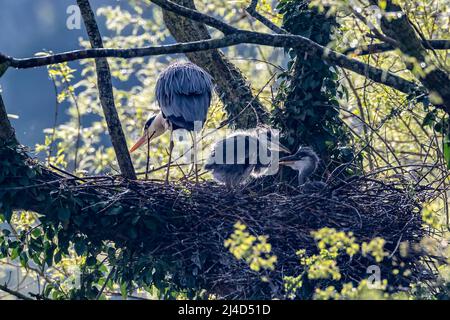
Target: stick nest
[[182, 228]]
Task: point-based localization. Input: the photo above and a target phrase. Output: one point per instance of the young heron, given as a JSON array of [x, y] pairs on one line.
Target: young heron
[[305, 161], [238, 157], [183, 92]]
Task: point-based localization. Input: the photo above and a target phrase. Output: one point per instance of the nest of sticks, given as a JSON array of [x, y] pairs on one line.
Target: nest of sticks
[[195, 220]]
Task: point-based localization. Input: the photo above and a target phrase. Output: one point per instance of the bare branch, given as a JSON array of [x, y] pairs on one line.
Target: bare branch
[[251, 9], [196, 16], [249, 37], [106, 94], [384, 47], [14, 293]]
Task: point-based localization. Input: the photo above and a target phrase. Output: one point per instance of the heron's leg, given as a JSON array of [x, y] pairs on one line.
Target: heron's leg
[[170, 156], [148, 159], [195, 158]]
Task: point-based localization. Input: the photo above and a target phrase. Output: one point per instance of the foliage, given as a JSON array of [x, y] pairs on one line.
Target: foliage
[[324, 265], [308, 107], [253, 250]]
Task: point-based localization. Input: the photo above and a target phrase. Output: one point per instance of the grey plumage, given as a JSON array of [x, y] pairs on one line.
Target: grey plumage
[[236, 158], [305, 161], [184, 92]]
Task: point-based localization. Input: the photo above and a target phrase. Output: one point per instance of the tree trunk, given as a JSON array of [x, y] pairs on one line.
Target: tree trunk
[[106, 94]]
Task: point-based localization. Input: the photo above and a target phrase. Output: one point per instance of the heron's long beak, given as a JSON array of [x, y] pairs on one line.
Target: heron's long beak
[[287, 160], [280, 147], [140, 142]]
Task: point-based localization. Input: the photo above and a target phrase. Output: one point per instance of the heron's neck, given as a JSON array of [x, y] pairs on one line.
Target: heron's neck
[[305, 168], [158, 127]]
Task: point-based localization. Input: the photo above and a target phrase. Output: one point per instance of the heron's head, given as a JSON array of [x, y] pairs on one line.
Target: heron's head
[[304, 159], [154, 127]]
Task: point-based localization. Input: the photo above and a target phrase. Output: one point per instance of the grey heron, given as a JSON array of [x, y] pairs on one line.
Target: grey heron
[[242, 155], [183, 92], [305, 161]]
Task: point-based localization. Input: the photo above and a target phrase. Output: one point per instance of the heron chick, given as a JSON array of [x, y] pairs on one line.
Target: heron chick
[[305, 161], [238, 157]]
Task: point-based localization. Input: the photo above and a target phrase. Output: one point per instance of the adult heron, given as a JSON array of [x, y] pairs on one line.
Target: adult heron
[[242, 155], [183, 91]]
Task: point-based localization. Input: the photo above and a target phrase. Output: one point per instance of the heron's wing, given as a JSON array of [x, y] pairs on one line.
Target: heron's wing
[[184, 94], [236, 149]]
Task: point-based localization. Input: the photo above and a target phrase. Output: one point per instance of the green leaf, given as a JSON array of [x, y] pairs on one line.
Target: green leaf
[[15, 253], [447, 151], [124, 290]]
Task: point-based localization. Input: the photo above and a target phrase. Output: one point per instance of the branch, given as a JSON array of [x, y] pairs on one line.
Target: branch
[[384, 47], [196, 16], [398, 27], [106, 94], [14, 293], [249, 37], [251, 9], [310, 47]]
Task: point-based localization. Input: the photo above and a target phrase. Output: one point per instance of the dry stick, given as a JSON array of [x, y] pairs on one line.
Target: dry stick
[[375, 130], [106, 282], [106, 94], [148, 159], [65, 172], [14, 293], [374, 30]]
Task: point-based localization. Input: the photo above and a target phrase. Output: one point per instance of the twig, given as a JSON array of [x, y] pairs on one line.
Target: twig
[[251, 9], [14, 293]]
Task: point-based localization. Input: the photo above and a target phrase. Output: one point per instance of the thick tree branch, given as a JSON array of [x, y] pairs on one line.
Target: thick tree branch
[[249, 37], [106, 94], [234, 90]]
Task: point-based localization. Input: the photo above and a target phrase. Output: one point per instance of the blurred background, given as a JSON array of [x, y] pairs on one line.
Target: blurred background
[[27, 27]]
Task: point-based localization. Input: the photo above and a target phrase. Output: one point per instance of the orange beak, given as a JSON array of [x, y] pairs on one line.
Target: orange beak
[[139, 143]]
